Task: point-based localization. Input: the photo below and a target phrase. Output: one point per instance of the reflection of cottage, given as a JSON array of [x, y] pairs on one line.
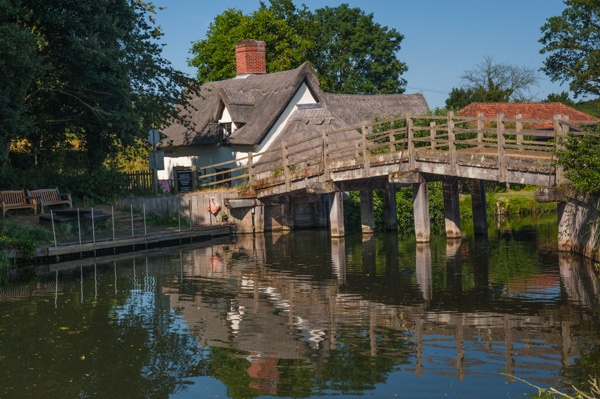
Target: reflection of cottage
[[254, 111]]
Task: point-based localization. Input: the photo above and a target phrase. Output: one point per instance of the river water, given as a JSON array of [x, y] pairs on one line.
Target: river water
[[304, 316]]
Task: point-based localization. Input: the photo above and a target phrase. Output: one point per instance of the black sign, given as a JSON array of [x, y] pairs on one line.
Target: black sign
[[184, 180]]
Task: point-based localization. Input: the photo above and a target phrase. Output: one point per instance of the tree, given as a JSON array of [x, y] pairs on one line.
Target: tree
[[19, 66], [572, 42], [349, 51], [104, 81], [215, 55], [562, 97], [354, 55], [498, 82]]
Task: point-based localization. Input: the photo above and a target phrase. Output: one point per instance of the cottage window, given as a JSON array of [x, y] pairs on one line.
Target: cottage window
[[225, 132]]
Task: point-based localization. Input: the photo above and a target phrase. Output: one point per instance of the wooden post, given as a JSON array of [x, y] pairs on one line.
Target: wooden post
[[519, 129], [451, 208], [367, 217], [365, 152], [452, 145], [392, 141], [560, 134], [478, 204], [336, 214], [421, 211], [325, 156], [501, 148], [390, 213], [480, 127], [286, 172], [412, 160], [250, 167], [432, 134]]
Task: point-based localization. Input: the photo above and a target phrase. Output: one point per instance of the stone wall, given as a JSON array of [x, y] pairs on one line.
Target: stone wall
[[579, 225], [248, 215], [194, 204]]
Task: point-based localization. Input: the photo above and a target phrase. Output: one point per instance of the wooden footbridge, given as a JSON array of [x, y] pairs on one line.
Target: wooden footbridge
[[410, 150]]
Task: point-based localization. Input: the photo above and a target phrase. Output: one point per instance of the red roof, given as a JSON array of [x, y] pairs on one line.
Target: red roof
[[527, 111]]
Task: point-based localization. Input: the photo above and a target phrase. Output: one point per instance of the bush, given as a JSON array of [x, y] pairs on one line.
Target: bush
[[581, 161]]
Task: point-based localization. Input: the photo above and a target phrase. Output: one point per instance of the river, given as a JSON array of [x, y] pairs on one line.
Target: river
[[302, 315]]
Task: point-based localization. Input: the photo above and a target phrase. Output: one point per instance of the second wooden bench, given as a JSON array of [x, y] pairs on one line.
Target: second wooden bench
[[50, 196]]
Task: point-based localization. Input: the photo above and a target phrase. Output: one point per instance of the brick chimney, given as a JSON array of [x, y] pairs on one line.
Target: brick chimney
[[250, 57]]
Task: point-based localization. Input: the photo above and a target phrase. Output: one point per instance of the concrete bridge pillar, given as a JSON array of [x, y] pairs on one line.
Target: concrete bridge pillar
[[480, 225], [390, 214], [421, 211], [451, 208], [367, 215], [336, 214]]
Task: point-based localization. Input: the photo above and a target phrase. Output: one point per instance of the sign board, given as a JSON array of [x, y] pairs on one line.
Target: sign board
[[153, 137], [184, 180], [160, 160]]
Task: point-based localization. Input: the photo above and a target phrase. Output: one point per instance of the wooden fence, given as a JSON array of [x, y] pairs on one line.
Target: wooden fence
[[139, 182]]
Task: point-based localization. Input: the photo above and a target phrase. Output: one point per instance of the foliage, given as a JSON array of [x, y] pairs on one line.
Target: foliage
[[571, 41], [404, 208], [19, 65], [562, 97], [22, 238], [215, 55], [581, 162], [493, 82], [354, 55], [591, 107], [348, 50], [552, 393], [101, 81]]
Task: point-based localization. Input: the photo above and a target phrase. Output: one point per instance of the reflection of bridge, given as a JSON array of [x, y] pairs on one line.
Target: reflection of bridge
[[381, 155], [276, 314]]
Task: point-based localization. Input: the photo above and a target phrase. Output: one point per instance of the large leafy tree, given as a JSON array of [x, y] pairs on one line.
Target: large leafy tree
[[354, 54], [350, 52], [215, 55], [104, 81], [572, 42], [19, 66]]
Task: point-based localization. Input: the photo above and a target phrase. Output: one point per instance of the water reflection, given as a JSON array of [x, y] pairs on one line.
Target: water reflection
[[304, 315]]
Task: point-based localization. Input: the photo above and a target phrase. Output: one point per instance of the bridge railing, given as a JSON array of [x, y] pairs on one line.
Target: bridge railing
[[410, 138]]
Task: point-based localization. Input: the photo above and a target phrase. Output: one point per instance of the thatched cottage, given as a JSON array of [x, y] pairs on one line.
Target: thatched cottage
[[255, 111]]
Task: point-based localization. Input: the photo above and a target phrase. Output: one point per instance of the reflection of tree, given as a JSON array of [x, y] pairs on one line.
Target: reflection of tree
[[82, 349], [351, 368]]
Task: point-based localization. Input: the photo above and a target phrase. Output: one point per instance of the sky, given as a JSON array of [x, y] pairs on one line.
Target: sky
[[442, 38]]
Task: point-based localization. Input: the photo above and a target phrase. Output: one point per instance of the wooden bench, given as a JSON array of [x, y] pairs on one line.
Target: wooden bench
[[50, 196], [16, 199]]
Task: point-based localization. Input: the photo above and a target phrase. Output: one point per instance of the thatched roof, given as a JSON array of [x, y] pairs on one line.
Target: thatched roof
[[357, 108], [303, 134], [256, 102]]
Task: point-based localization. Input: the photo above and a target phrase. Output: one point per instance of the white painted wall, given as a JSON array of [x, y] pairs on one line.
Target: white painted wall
[[201, 156]]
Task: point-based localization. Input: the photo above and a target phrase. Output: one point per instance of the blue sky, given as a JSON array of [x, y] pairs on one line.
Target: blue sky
[[442, 38]]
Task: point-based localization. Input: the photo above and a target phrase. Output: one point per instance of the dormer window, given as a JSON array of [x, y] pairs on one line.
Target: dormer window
[[225, 132]]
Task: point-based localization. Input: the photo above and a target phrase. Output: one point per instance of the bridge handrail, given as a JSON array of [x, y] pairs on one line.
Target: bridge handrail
[[451, 133]]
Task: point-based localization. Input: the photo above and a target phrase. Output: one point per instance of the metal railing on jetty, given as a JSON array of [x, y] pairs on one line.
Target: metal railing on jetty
[[79, 233]]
